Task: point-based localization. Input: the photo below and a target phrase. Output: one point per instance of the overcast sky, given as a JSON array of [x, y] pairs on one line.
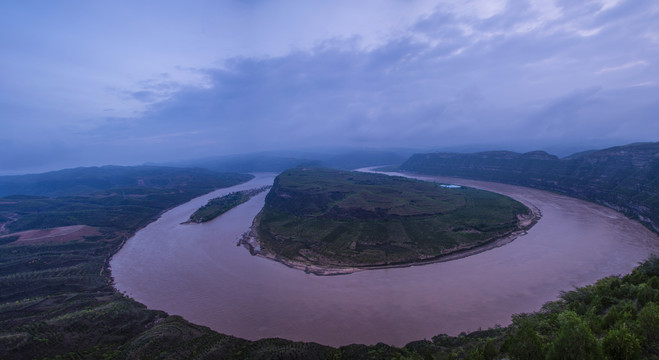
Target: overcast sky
[[125, 82]]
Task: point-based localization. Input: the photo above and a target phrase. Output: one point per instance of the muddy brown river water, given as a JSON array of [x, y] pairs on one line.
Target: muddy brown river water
[[198, 272]]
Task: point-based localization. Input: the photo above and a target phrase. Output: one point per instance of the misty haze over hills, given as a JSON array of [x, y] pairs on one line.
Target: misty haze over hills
[[281, 159], [336, 157], [625, 178]]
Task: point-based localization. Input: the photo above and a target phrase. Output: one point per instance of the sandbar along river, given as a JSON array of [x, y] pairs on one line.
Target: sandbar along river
[[198, 272]]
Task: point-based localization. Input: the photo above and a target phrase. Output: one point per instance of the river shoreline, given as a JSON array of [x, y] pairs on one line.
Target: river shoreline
[[199, 273]]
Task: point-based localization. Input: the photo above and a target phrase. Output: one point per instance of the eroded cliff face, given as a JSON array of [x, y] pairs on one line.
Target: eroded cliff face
[[625, 178]]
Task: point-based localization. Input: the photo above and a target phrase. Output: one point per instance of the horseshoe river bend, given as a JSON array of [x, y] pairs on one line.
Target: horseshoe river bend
[[198, 272]]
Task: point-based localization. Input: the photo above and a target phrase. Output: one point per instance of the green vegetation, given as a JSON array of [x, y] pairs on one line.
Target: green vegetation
[[625, 178], [218, 206], [57, 298], [616, 318], [57, 302], [338, 218]]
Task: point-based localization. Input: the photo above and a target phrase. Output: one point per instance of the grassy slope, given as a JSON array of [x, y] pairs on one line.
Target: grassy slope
[[331, 217]]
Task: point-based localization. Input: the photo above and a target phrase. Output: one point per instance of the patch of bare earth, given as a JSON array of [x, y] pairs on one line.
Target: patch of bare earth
[[55, 235]]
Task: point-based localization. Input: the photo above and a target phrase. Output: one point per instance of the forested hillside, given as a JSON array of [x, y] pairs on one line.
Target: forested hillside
[[625, 178]]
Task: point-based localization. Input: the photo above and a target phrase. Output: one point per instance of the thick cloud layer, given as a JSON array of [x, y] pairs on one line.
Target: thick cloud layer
[[515, 75]]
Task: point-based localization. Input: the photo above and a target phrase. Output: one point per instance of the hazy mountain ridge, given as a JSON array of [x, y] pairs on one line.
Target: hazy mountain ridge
[[86, 180], [280, 161], [625, 178]]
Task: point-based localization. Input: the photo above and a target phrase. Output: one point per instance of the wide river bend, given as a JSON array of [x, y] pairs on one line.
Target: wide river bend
[[198, 272]]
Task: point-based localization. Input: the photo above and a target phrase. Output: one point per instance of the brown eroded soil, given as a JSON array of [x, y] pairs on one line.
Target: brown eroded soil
[[55, 235]]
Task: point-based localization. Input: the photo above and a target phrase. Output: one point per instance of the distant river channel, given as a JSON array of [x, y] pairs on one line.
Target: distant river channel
[[198, 272]]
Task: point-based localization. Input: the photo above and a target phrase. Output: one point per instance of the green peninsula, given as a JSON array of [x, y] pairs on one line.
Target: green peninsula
[[329, 221]]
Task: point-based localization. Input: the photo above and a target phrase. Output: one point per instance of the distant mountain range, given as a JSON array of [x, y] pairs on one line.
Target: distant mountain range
[[86, 180], [625, 178], [280, 161]]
